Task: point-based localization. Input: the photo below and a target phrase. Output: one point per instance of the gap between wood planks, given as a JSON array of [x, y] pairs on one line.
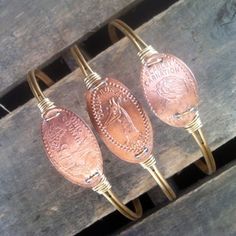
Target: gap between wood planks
[[60, 66], [185, 181]]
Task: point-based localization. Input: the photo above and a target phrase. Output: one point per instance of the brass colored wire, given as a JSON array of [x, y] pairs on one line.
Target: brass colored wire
[[150, 165], [86, 69], [104, 188], [144, 50], [207, 166], [92, 79], [32, 77], [126, 30], [124, 210]]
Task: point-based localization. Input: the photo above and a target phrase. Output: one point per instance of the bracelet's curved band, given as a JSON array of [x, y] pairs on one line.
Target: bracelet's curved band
[[148, 164], [43, 102], [92, 79], [32, 78], [209, 166], [104, 186], [126, 30]]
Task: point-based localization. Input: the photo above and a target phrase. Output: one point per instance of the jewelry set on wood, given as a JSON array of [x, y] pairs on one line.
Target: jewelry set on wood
[[170, 90]]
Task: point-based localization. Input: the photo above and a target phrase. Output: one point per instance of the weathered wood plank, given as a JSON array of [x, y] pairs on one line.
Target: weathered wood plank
[[208, 210], [32, 31], [34, 199]]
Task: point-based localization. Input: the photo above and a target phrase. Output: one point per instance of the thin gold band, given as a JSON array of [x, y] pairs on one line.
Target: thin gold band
[[78, 56], [124, 210], [104, 188], [126, 30], [92, 79], [43, 102], [32, 78], [208, 166], [144, 50], [150, 165]]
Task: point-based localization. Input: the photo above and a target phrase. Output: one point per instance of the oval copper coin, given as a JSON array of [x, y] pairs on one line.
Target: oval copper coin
[[170, 89], [120, 121], [72, 147]]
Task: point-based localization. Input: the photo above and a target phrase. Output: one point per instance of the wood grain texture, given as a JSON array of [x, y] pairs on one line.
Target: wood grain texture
[[36, 200], [32, 31], [208, 210]]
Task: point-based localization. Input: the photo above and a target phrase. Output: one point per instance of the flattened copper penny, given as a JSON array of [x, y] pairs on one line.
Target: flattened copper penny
[[72, 147], [170, 89], [120, 121]]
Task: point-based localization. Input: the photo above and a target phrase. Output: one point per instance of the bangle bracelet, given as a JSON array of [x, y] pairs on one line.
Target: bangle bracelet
[[120, 121], [72, 147], [170, 89]]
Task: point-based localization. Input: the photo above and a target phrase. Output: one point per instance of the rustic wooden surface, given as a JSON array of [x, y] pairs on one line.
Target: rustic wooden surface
[[36, 200], [208, 210], [32, 31]]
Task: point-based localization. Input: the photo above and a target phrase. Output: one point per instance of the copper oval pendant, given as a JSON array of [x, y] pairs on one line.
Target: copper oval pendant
[[72, 147], [170, 89], [120, 121]]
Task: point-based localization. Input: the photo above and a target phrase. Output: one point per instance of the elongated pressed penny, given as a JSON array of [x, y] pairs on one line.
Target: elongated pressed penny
[[71, 147], [170, 89], [120, 121]]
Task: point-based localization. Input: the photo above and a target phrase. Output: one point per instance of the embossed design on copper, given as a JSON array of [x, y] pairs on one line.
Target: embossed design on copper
[[116, 113], [170, 89], [73, 149], [120, 120]]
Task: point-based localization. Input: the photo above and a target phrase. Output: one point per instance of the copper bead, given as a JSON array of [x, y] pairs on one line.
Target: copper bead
[[72, 147], [170, 89], [120, 121]]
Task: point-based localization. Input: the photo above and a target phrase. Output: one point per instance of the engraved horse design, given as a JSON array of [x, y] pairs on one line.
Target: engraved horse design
[[118, 114]]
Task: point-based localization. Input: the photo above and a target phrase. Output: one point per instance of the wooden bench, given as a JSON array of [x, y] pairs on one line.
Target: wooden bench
[[34, 198]]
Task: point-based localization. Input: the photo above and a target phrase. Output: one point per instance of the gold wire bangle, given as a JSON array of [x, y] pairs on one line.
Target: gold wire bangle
[[209, 166], [149, 164], [104, 186], [93, 79]]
